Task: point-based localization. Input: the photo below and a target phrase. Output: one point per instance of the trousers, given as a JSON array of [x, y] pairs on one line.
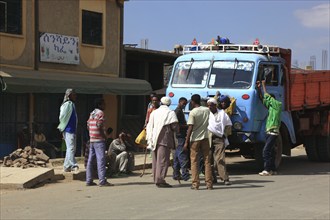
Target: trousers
[[70, 141], [268, 153], [218, 158], [180, 161], [96, 151], [204, 147], [160, 163]]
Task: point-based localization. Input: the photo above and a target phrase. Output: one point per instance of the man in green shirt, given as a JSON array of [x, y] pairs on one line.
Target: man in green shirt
[[197, 139], [273, 124]]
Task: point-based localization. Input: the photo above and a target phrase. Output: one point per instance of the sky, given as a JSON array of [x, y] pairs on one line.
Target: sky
[[302, 26]]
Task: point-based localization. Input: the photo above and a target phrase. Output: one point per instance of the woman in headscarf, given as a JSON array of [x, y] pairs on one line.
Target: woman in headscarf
[[68, 126]]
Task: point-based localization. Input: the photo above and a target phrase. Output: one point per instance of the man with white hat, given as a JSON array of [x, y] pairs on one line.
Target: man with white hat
[[161, 134], [219, 125]]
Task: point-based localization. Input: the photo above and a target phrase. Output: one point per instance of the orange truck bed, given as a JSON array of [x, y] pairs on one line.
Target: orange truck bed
[[309, 89]]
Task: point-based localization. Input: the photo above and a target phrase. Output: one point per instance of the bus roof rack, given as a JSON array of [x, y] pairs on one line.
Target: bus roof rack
[[233, 48]]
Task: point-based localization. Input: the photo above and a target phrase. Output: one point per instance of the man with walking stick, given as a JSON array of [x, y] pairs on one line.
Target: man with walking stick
[[161, 131]]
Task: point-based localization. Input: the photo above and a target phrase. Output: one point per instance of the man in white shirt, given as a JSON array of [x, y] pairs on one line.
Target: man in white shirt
[[219, 125], [161, 133]]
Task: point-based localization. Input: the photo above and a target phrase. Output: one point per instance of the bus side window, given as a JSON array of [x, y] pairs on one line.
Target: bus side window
[[260, 73], [271, 75]]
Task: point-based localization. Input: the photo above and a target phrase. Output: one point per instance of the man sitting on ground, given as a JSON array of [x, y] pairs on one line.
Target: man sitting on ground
[[41, 143], [120, 154]]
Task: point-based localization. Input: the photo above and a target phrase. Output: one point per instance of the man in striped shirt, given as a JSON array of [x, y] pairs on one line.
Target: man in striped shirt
[[95, 126]]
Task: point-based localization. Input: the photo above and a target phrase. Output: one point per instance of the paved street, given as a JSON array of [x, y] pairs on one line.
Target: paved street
[[300, 191]]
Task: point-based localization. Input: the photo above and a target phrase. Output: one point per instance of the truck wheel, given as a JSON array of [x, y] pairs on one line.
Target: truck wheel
[[323, 148], [310, 148], [278, 151]]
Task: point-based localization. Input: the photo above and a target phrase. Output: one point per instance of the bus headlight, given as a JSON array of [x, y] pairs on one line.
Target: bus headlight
[[238, 125]]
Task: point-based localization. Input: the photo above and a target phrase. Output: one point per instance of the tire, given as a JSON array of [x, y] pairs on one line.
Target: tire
[[310, 148], [323, 148]]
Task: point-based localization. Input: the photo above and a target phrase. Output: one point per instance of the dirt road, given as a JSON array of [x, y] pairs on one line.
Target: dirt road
[[300, 191]]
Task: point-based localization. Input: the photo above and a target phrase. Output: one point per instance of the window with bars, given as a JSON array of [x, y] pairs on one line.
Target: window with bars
[[91, 28], [11, 16]]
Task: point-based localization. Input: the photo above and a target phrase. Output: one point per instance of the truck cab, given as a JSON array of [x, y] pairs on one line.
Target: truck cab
[[234, 70]]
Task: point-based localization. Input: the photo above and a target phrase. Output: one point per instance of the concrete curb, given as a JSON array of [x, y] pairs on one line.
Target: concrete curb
[[18, 178]]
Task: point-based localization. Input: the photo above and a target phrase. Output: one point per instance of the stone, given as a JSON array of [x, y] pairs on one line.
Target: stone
[[33, 151], [17, 161], [13, 156], [39, 162], [26, 158], [28, 148], [5, 160], [38, 151], [42, 157], [25, 155], [9, 163]]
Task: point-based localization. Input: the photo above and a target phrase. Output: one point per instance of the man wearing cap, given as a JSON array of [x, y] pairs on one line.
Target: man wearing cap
[[219, 124], [161, 132], [68, 126]]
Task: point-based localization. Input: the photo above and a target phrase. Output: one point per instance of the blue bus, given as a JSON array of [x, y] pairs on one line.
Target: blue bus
[[234, 70]]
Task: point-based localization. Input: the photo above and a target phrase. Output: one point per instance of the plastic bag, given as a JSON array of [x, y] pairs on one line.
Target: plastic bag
[[141, 139]]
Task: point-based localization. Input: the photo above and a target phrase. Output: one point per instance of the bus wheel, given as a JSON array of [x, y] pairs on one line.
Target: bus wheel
[[310, 148], [323, 148]]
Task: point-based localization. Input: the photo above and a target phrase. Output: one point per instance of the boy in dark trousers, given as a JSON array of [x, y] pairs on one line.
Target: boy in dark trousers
[[273, 124]]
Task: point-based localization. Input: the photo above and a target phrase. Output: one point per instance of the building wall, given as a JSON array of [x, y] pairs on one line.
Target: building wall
[[65, 18], [110, 112], [19, 49], [62, 17]]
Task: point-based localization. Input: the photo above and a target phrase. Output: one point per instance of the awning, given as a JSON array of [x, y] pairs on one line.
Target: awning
[[40, 81]]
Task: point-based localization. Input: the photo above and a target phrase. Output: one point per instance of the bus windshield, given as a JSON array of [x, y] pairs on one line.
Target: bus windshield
[[191, 74], [231, 74]]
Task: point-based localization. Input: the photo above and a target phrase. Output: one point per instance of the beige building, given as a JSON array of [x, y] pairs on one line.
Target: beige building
[[48, 46]]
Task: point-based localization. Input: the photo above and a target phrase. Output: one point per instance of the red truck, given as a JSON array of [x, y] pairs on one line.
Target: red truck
[[309, 104]]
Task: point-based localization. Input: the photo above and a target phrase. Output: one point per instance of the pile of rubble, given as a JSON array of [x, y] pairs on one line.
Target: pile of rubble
[[27, 157]]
